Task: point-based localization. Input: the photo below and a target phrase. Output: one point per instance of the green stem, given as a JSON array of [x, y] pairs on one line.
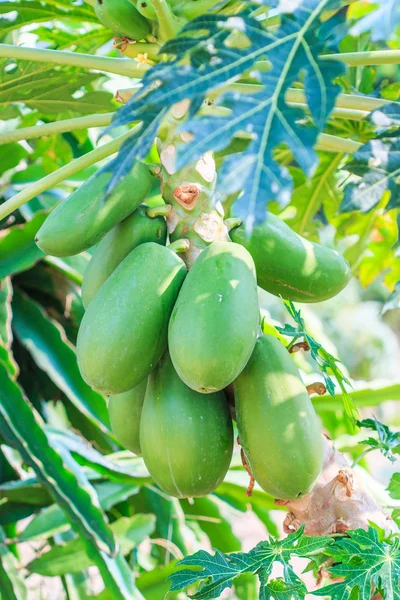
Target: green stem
[[292, 343], [38, 187], [362, 59], [360, 457], [159, 211], [168, 25], [232, 223], [352, 59], [181, 245], [29, 133], [133, 50], [333, 143], [347, 106], [119, 66]]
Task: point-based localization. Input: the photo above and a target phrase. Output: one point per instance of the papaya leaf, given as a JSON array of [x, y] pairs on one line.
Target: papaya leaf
[[382, 22], [18, 251], [27, 13], [46, 341], [12, 585], [377, 165], [326, 362], [294, 48], [49, 91], [388, 441], [366, 565], [217, 572], [312, 196]]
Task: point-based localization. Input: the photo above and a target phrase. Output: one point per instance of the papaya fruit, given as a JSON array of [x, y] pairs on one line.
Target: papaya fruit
[[125, 411], [186, 438], [124, 331], [214, 324], [122, 18], [83, 218], [290, 266], [145, 7], [136, 229], [278, 427]]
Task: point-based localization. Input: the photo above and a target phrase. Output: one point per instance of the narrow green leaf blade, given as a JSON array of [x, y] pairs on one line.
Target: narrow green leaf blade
[[20, 426], [47, 343], [52, 519], [18, 251], [12, 586], [72, 557]]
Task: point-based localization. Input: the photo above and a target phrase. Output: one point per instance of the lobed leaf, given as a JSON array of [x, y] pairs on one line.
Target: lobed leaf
[[293, 49]]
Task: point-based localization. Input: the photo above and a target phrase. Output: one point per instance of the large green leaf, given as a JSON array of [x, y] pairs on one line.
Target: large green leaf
[[312, 195], [48, 90], [26, 13], [27, 491], [51, 351], [18, 250], [12, 585], [21, 427], [52, 520], [72, 558]]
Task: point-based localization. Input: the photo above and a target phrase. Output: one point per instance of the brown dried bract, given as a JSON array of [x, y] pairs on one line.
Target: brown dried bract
[[316, 388], [299, 346]]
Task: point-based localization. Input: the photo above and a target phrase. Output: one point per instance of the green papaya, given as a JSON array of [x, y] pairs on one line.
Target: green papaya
[[124, 330], [145, 7], [136, 229], [278, 427], [186, 438], [81, 220], [125, 411], [290, 266], [214, 324], [122, 18]]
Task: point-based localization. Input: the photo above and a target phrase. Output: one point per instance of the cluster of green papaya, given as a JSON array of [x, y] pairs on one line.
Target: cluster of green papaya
[[165, 343]]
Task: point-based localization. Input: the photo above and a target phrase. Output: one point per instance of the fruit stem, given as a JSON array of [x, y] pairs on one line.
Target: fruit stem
[[168, 25], [333, 143], [159, 211], [178, 246], [38, 187], [360, 457], [133, 50], [232, 223], [29, 133], [119, 66]]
